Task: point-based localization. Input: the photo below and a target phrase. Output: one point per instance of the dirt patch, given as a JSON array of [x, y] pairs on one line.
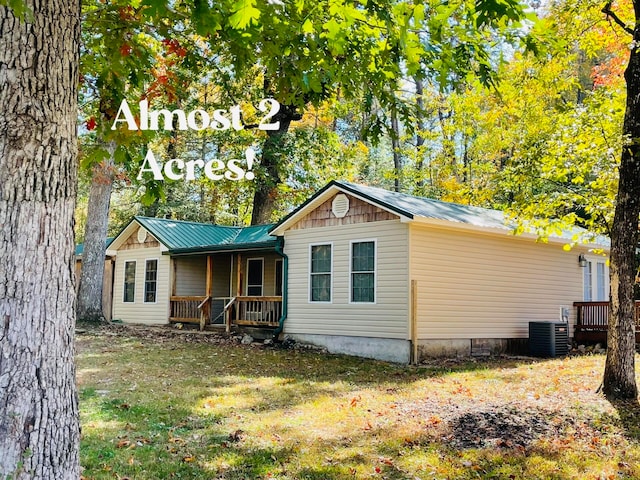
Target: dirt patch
[[506, 426]]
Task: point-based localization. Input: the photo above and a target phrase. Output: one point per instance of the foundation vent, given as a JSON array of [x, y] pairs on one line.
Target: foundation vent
[[340, 205]]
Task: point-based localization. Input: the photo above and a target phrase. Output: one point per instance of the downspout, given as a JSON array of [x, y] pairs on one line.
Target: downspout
[[285, 285]]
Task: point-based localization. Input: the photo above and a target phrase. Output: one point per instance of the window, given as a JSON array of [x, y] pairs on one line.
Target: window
[[320, 273], [588, 293], [595, 278], [278, 278], [254, 277], [363, 272], [600, 282], [150, 281], [129, 282]]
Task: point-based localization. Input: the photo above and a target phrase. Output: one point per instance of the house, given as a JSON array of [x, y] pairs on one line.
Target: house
[[359, 270], [393, 276], [175, 271]]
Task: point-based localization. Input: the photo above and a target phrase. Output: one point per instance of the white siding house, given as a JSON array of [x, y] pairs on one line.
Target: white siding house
[[449, 279]]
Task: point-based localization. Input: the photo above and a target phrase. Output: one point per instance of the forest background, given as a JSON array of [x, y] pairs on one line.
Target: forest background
[[537, 135]]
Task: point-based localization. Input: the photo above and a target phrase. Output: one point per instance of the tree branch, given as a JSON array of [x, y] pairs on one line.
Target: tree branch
[[611, 14]]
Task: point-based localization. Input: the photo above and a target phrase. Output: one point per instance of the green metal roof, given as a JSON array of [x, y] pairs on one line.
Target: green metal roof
[[186, 237]]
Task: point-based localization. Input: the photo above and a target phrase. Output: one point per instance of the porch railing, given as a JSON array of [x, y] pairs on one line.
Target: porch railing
[[592, 319], [253, 311]]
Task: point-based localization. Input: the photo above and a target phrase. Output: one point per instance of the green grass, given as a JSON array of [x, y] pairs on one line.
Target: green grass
[[156, 408]]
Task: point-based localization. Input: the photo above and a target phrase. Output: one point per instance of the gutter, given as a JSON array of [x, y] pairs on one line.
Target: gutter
[[285, 286]]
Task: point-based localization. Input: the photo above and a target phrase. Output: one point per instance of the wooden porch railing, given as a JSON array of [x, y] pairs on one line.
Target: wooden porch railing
[[190, 309], [592, 319], [254, 311]]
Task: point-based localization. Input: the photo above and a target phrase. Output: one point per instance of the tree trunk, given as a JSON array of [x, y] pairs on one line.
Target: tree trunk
[[420, 128], [95, 233], [268, 179], [39, 431], [395, 146], [619, 374]]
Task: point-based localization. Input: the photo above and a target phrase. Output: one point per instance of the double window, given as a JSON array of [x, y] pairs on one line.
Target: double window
[[320, 273], [150, 281], [362, 272]]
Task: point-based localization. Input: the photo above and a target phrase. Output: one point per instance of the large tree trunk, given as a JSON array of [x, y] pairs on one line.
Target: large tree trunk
[[268, 179], [619, 375], [39, 430], [95, 233]]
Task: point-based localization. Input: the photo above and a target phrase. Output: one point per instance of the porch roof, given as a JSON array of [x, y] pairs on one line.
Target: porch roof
[[181, 237]]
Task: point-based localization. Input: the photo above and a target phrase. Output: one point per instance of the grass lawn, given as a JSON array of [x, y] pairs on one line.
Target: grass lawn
[[160, 406]]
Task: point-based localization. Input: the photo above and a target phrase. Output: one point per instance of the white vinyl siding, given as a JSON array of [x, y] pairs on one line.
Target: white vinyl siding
[[138, 311], [472, 285], [388, 318]]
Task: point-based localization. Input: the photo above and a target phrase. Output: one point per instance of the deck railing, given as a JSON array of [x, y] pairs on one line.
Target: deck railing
[[184, 309], [253, 311], [592, 319]]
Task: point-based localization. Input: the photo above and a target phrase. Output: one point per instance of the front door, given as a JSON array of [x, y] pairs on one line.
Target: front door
[[255, 276]]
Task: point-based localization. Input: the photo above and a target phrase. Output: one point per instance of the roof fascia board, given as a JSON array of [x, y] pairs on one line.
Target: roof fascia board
[[267, 246], [126, 232]]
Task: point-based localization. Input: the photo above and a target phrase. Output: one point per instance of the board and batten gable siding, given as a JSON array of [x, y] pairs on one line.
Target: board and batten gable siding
[[386, 318], [473, 285], [138, 311]]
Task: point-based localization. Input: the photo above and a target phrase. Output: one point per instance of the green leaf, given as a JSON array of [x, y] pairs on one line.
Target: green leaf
[[245, 15]]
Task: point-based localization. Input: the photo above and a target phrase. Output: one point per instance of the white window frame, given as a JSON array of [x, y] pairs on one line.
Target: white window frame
[[124, 280], [246, 282], [375, 270], [144, 288], [309, 300], [275, 276], [593, 261]]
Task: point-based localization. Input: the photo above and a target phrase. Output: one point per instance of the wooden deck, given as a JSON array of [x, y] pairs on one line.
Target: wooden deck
[[249, 311], [592, 321]]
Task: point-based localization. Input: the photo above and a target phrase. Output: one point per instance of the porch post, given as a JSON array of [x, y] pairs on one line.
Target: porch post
[[205, 312]]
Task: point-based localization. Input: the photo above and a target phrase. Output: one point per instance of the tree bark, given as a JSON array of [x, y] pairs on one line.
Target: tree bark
[[269, 178], [395, 147], [39, 431], [619, 374], [420, 128], [95, 233]]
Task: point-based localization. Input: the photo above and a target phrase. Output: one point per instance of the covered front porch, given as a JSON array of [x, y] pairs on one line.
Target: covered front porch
[[226, 289], [592, 319]]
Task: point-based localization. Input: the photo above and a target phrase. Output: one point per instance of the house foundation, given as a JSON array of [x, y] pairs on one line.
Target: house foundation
[[388, 349]]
